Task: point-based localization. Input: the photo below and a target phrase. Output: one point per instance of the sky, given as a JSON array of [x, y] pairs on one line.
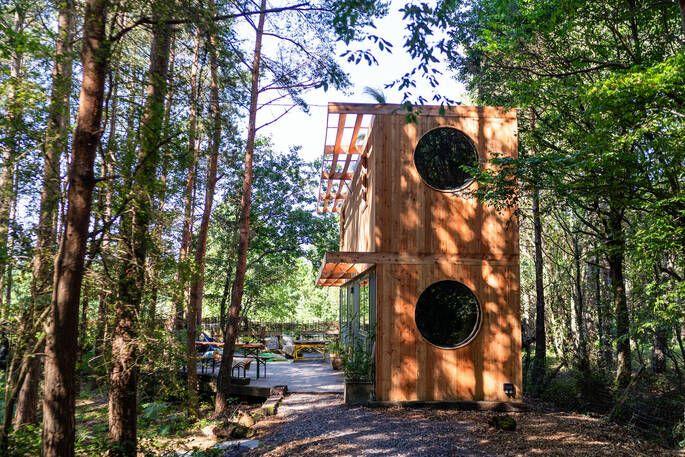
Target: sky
[[308, 130]]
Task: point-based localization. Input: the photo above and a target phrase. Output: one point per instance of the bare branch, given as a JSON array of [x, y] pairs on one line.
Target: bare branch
[[276, 118], [146, 20]]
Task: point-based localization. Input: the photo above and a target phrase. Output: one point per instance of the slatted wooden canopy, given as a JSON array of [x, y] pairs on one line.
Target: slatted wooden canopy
[[337, 268], [347, 130]]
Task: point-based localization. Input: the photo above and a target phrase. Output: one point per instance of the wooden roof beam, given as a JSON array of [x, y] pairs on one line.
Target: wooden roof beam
[[353, 145], [427, 110], [337, 175], [336, 151]]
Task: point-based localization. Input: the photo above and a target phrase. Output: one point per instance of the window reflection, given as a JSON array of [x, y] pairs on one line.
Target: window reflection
[[447, 314], [440, 158]]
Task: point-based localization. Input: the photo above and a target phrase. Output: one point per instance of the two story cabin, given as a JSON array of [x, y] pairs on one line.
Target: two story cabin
[[428, 274]]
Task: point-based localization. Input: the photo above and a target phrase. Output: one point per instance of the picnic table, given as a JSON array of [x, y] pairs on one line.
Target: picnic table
[[301, 345]]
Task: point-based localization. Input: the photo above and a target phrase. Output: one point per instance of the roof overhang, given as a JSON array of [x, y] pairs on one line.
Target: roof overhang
[[337, 268]]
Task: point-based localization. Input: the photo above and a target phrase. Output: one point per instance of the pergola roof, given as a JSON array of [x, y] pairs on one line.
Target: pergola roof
[[347, 130]]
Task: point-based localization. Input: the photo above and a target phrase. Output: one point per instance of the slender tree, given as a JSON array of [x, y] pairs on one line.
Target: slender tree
[[615, 257], [9, 148], [189, 200], [224, 379], [56, 140], [62, 332], [133, 246], [198, 278], [540, 358]]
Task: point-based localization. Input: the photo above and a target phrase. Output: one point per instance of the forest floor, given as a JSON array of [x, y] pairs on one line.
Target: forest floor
[[321, 425]]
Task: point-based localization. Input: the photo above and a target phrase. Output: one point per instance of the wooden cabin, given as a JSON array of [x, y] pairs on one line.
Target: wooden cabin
[[428, 274]]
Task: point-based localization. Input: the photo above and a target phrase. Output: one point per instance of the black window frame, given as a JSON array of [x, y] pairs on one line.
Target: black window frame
[[468, 181], [476, 328]]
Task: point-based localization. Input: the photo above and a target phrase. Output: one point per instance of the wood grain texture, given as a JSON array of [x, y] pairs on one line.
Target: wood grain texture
[[419, 236]]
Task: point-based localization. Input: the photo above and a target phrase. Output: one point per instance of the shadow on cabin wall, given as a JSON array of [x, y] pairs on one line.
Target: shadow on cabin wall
[[412, 218]]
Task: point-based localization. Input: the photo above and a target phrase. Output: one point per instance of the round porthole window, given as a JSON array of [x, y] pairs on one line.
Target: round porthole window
[[441, 155], [448, 314]]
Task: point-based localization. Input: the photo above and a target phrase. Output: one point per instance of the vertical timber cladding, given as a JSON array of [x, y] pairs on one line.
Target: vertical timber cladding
[[357, 222], [411, 218]]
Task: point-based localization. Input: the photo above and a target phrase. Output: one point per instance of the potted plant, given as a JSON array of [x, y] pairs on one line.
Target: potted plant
[[358, 381], [335, 351]]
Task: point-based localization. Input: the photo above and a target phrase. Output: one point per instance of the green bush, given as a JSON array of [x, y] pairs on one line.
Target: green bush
[[357, 362], [572, 390], [25, 441]]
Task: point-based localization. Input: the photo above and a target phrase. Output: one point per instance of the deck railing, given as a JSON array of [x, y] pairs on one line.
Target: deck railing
[[212, 326]]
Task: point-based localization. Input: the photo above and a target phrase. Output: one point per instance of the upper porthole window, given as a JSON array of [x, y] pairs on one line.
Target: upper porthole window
[[441, 155]]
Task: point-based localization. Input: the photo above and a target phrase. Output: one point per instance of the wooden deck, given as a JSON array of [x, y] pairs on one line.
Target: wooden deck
[[315, 376]]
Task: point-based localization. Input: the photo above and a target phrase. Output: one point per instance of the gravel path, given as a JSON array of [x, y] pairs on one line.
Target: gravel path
[[321, 425]]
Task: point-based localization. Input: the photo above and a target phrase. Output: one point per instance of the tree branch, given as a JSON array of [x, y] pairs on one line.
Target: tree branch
[[146, 20]]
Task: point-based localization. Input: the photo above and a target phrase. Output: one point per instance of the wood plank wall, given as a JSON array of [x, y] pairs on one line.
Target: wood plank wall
[[405, 216], [357, 221]]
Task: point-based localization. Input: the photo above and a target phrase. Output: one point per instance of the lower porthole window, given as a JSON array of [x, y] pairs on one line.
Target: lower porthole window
[[448, 314]]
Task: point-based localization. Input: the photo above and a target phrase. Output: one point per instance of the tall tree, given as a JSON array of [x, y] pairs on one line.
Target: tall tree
[[56, 141], [62, 333], [197, 283], [189, 196], [134, 244], [9, 148], [10, 145], [540, 358], [304, 61], [224, 378]]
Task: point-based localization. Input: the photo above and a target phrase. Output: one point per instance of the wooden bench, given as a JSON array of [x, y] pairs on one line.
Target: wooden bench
[[316, 346], [241, 362]]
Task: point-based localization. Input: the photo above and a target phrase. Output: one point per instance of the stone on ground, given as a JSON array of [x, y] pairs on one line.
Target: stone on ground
[[503, 422]]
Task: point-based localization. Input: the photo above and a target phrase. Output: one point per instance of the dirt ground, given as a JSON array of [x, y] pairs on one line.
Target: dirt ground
[[321, 425]]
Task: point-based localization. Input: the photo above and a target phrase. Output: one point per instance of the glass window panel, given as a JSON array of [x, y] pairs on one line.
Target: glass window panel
[[448, 314], [440, 158]]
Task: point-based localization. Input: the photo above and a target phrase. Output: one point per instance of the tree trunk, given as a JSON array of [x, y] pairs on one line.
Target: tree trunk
[[62, 333], [540, 357], [9, 154], [27, 399], [224, 299], [681, 3], [9, 276], [193, 152], [197, 283], [134, 244], [56, 140], [108, 158], [659, 349], [232, 327], [83, 323], [103, 318], [162, 222], [616, 245], [678, 331], [602, 333], [660, 340], [583, 360], [11, 394]]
